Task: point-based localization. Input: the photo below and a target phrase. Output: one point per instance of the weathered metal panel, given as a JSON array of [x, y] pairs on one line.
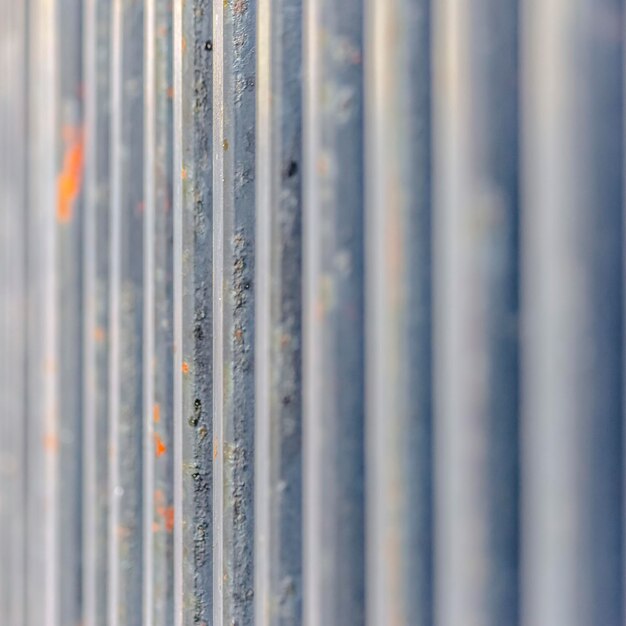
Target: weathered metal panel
[[278, 422], [573, 294], [333, 286]]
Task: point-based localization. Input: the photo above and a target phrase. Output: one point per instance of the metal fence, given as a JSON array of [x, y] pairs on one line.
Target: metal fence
[[312, 312]]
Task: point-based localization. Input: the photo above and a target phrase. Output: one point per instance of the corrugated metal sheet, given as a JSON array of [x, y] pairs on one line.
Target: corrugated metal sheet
[[311, 312]]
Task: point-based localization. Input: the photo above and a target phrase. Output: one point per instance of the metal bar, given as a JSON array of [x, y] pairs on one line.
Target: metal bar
[[126, 575], [42, 558], [476, 312], [573, 292], [193, 312], [278, 443], [96, 328], [12, 310], [233, 309], [333, 315], [158, 318], [399, 305], [69, 218]]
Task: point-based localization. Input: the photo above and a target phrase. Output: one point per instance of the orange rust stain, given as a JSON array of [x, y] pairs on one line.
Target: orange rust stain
[[50, 442], [170, 92], [98, 334], [159, 446], [215, 445], [184, 45], [185, 367], [156, 413], [184, 174], [167, 513], [225, 144], [70, 178]]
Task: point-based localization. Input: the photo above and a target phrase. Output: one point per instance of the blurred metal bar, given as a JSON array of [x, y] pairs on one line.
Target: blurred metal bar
[[12, 310], [399, 305], [278, 443], [234, 67], [42, 557], [193, 312], [96, 328], [69, 269], [333, 315], [573, 293], [476, 312], [126, 574], [158, 486]]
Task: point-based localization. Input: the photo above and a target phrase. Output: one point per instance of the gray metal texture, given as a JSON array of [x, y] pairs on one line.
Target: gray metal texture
[[312, 312]]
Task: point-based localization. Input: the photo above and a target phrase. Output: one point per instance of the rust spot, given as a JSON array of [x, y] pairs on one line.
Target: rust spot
[[240, 7], [183, 174], [50, 442], [225, 144], [155, 527], [70, 178], [215, 448], [159, 446], [170, 92], [238, 335], [156, 413], [184, 44], [98, 334], [185, 367], [167, 513]]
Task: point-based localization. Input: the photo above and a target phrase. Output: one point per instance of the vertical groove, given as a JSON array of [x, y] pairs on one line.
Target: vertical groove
[[126, 575], [399, 306], [334, 505], [278, 444], [233, 288], [97, 39]]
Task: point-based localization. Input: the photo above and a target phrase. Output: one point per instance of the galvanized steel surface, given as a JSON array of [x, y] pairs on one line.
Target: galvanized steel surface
[[311, 312]]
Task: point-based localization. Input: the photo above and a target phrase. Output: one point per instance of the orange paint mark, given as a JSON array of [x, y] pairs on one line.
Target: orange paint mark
[[70, 178], [156, 413], [98, 334], [215, 448], [159, 446], [184, 174], [50, 442], [185, 367]]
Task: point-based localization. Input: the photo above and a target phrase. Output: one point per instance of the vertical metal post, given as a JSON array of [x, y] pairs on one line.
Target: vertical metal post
[[193, 311], [399, 310], [96, 327], [158, 488], [278, 445], [234, 65], [573, 291], [12, 310], [333, 315], [126, 574], [476, 312]]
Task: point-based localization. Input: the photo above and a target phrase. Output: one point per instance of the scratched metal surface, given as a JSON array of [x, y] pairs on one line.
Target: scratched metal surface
[[234, 95], [278, 422], [193, 311]]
